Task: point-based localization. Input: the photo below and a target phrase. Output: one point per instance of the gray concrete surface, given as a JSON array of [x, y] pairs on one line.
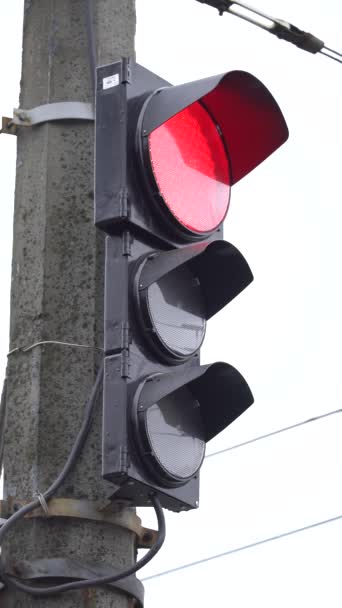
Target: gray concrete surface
[[57, 293]]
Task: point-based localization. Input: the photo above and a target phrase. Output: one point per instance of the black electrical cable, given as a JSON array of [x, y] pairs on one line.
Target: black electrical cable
[[79, 442], [13, 582], [103, 580], [40, 591]]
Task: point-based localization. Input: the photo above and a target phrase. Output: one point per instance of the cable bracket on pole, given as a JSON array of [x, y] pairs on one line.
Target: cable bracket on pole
[[66, 569], [63, 110], [8, 126], [111, 513]]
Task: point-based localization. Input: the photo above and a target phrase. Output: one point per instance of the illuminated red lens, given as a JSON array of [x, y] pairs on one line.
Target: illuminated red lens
[[190, 166]]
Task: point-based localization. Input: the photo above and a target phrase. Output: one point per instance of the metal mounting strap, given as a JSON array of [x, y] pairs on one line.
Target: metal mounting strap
[[63, 110], [87, 509], [64, 569]]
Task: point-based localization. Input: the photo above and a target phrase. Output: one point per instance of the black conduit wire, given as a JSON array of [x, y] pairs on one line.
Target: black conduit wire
[[74, 453], [97, 581], [13, 582]]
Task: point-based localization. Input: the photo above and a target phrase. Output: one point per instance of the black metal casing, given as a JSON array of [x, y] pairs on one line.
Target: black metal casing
[[144, 243], [126, 114], [119, 199], [131, 359]]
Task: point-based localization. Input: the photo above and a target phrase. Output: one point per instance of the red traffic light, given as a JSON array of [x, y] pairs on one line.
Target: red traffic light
[[167, 156], [198, 139], [191, 168]]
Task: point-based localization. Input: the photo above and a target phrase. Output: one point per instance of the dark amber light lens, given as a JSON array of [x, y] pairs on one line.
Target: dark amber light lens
[[191, 168]]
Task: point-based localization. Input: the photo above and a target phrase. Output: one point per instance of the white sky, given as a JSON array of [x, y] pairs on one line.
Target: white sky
[[283, 333]]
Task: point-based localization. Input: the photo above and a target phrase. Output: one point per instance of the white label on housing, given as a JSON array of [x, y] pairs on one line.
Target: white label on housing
[[111, 81]]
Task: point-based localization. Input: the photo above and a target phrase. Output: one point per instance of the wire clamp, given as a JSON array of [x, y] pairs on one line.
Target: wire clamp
[[43, 503]]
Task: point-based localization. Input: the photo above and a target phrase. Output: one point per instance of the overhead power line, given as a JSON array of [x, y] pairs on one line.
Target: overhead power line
[[244, 547], [280, 28], [277, 432]]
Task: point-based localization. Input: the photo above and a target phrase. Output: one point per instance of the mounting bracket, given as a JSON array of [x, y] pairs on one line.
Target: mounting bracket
[[62, 570], [63, 110], [113, 513]]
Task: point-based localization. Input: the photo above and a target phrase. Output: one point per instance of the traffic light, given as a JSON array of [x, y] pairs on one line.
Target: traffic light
[[166, 158]]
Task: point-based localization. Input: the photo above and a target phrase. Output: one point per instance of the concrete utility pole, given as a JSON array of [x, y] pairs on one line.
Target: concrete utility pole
[[57, 295]]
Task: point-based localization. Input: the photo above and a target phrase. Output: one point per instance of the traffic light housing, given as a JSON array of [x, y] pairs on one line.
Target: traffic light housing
[[166, 158]]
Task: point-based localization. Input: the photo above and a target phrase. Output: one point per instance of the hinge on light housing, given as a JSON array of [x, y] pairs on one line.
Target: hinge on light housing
[[125, 335], [123, 202], [125, 364], [126, 70], [126, 243]]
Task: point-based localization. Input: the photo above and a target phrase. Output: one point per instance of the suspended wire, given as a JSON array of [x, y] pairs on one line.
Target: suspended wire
[[277, 432], [332, 56], [331, 51], [244, 547], [280, 28]]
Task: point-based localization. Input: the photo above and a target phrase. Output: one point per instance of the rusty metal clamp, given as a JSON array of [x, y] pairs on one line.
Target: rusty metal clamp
[[112, 513], [66, 569], [8, 126]]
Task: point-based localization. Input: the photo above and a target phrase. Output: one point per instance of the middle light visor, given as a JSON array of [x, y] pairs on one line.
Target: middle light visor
[[177, 311]]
